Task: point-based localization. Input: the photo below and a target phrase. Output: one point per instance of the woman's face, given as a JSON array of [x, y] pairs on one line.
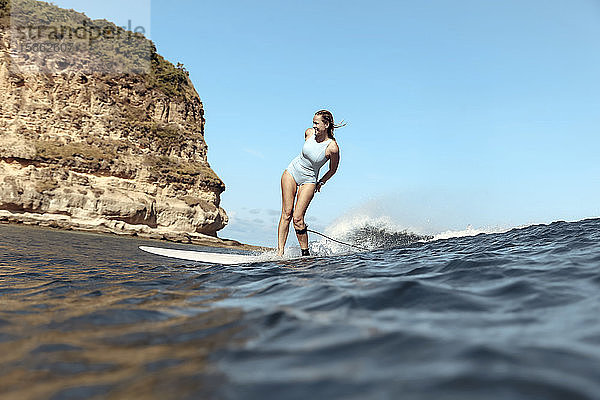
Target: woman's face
[[319, 125]]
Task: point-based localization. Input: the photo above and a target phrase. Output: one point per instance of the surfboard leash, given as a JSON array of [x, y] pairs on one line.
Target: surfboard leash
[[337, 241]]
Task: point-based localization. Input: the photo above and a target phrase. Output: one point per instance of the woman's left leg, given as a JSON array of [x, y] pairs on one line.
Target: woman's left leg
[[306, 193]]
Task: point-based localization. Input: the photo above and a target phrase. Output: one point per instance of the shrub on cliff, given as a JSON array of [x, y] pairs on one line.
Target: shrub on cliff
[[100, 44]]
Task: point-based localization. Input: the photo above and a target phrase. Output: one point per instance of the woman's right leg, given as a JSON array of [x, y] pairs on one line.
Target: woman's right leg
[[288, 194]]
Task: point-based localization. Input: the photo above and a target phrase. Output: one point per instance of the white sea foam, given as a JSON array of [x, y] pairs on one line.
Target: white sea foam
[[347, 226], [468, 231], [359, 232], [344, 226]]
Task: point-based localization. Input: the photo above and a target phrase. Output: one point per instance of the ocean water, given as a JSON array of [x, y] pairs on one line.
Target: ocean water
[[513, 315]]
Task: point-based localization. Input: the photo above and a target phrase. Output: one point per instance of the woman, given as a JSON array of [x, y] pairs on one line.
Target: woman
[[300, 179]]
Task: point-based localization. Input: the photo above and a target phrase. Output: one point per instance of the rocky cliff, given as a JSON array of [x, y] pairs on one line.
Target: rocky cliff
[[108, 137]]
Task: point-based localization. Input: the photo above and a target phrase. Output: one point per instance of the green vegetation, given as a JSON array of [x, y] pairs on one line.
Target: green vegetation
[[169, 79], [102, 45], [165, 134], [166, 169], [74, 154], [36, 13], [162, 169], [135, 115], [138, 124], [110, 48], [115, 52]]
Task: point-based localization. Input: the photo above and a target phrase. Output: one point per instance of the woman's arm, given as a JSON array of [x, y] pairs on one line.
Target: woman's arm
[[308, 133], [334, 162]]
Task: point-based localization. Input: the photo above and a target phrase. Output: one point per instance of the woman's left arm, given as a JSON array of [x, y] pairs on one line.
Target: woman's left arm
[[334, 162]]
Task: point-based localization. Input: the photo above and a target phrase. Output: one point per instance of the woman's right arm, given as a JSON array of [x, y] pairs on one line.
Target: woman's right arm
[[308, 133]]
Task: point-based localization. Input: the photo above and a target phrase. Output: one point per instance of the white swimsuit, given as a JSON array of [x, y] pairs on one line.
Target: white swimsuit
[[305, 167]]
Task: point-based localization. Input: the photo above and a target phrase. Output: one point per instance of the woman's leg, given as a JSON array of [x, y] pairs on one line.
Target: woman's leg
[[305, 195], [288, 192]]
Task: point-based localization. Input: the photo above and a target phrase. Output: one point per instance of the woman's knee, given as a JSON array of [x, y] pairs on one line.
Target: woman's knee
[[286, 215], [298, 221]]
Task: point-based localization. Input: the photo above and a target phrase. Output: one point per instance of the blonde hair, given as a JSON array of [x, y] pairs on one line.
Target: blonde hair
[[327, 116]]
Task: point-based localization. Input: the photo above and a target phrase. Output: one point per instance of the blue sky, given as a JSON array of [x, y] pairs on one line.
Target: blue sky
[[482, 113]]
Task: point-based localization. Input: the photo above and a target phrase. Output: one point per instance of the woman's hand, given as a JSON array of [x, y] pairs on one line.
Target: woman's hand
[[333, 153], [319, 186]]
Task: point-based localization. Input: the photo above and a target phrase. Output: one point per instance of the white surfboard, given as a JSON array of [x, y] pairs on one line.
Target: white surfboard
[[202, 256]]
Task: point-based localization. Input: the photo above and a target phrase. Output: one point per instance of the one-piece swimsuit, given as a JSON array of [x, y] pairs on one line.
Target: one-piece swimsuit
[[305, 167]]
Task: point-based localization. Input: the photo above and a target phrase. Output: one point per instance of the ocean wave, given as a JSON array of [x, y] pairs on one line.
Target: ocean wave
[[498, 315]]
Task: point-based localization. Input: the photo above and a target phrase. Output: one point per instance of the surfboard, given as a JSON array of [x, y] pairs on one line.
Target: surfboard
[[201, 256]]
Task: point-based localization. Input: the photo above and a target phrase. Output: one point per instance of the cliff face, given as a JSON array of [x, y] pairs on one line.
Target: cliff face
[[111, 150]]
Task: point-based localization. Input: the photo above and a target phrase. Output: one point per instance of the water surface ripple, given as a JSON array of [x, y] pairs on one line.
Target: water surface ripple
[[514, 315]]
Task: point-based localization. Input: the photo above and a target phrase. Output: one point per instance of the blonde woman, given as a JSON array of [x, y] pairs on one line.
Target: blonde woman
[[300, 180]]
